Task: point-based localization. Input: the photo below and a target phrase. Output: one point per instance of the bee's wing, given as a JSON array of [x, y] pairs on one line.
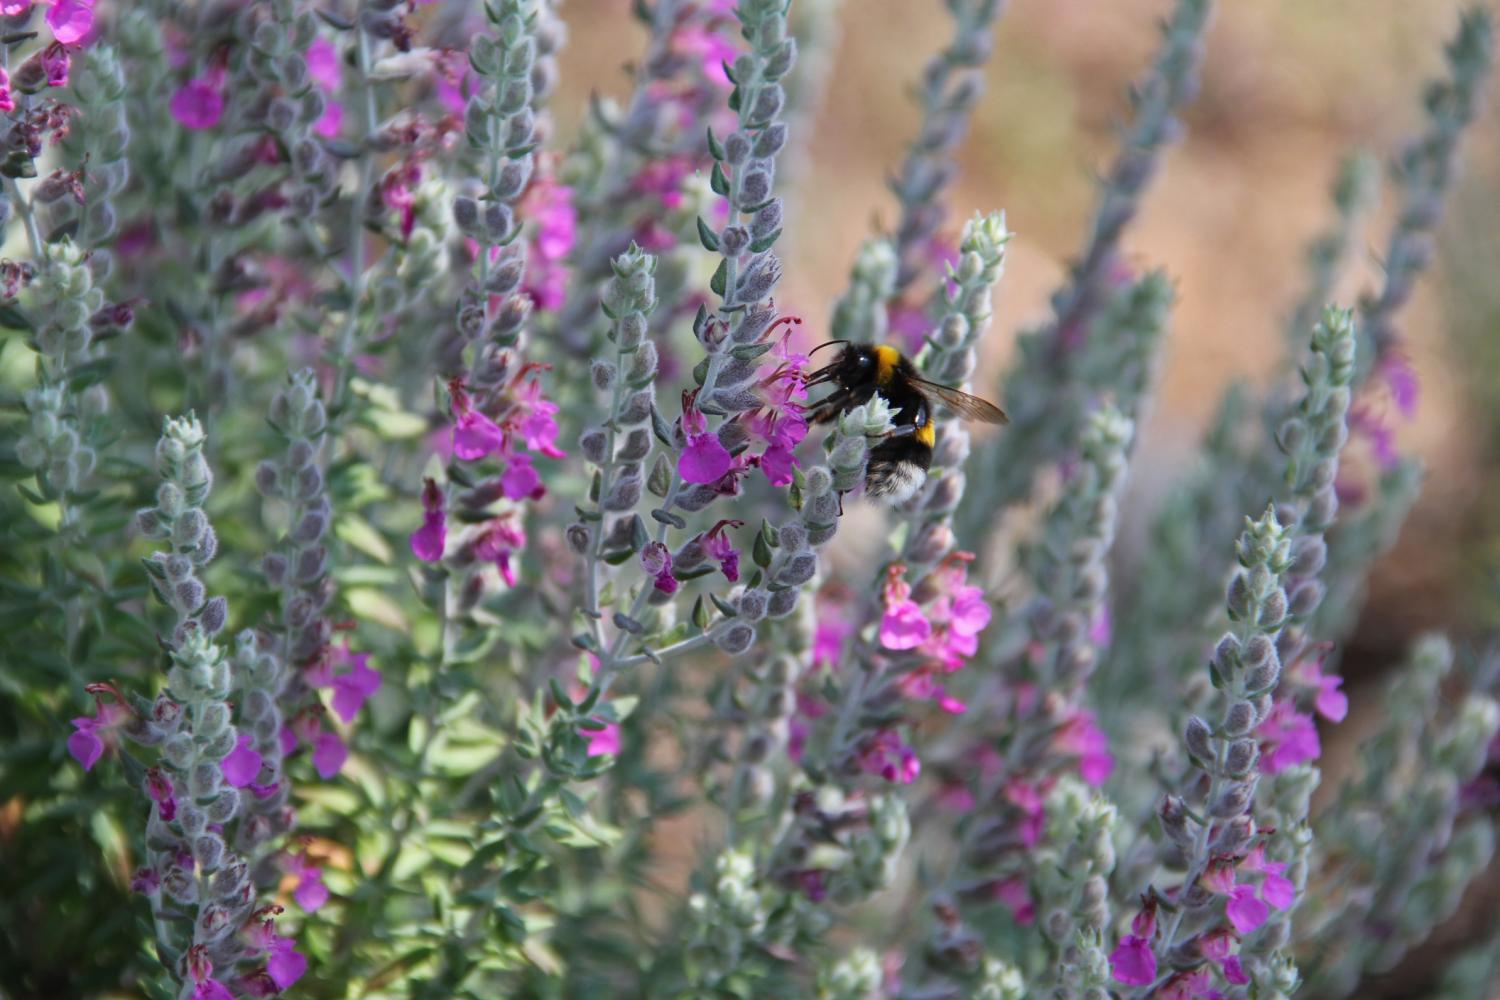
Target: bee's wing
[[967, 406]]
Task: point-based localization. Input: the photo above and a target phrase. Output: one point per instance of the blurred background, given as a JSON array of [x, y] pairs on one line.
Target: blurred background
[[1289, 88]]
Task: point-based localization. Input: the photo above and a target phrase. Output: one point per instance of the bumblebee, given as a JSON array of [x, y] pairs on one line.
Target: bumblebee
[[898, 465]]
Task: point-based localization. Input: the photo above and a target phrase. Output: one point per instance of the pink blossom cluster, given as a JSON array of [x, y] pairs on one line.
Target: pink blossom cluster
[[1289, 735], [941, 630], [1251, 886], [526, 427], [774, 429]]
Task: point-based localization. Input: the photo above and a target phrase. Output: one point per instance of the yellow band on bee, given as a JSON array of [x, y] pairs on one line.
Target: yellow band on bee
[[926, 434], [886, 359]]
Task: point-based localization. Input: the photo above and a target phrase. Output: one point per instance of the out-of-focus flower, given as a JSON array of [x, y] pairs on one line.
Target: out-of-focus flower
[[329, 754], [352, 689], [428, 541], [1287, 737], [717, 544], [199, 103]]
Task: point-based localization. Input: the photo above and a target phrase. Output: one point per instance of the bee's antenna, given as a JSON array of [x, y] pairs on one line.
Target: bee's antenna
[[826, 343]]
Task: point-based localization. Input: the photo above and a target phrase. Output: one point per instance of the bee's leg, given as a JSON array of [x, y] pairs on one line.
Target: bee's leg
[[899, 431], [841, 501], [829, 408]]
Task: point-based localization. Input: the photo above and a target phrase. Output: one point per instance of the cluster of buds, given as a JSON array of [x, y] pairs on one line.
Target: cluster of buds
[[1071, 883], [281, 81], [859, 315], [840, 847], [202, 893], [298, 568], [1228, 879], [97, 144], [179, 520], [952, 84]]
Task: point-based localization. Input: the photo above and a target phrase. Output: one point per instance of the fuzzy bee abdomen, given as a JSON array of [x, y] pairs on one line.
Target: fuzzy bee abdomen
[[896, 470]]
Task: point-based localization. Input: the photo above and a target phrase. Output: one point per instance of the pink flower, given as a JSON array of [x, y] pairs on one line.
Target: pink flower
[[211, 989], [55, 63], [1401, 380], [310, 892], [709, 48], [656, 560], [886, 754], [497, 542], [353, 689], [71, 20], [1234, 972], [828, 640], [1027, 798], [476, 435], [1332, 704], [1080, 736], [84, 743], [908, 325], [1016, 896], [242, 764], [1275, 887], [903, 626], [1244, 910], [332, 120], [323, 64], [199, 103], [428, 541], [521, 481], [1133, 962], [1287, 737], [704, 459], [329, 755], [8, 100], [286, 965], [603, 742], [718, 546], [556, 220]]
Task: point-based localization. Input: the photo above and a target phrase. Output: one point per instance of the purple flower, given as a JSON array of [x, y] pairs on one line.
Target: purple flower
[[71, 20], [1332, 704], [1401, 380], [310, 892], [323, 64], [520, 480], [286, 965], [704, 459], [329, 754], [55, 63], [242, 764], [1234, 972], [718, 546], [1133, 962], [657, 562], [476, 435], [84, 744], [603, 742], [211, 989], [903, 626], [428, 541], [1287, 737], [352, 690], [1244, 910], [199, 103]]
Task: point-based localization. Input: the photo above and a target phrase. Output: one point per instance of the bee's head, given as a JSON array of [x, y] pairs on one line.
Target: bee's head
[[854, 365]]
